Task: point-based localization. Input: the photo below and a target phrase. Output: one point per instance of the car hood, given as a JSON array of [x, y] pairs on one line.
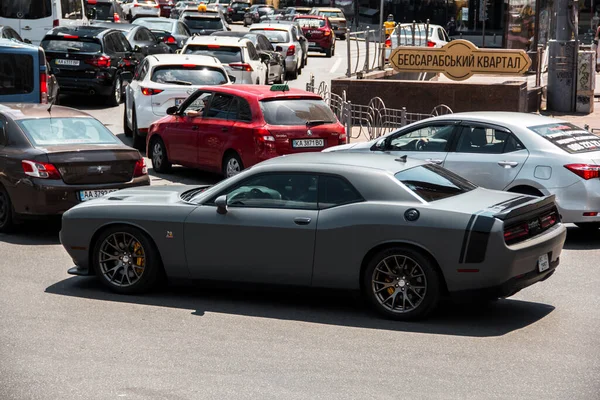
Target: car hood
[[146, 195]]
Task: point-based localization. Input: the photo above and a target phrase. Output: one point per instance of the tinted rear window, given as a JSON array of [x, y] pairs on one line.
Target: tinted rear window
[[225, 54], [332, 14], [160, 25], [569, 137], [296, 112], [63, 131], [432, 183], [71, 45], [203, 23], [236, 6], [188, 76], [274, 36], [311, 22], [26, 9], [16, 74]]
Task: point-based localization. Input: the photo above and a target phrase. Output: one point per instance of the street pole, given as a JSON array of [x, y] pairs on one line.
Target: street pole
[[381, 21]]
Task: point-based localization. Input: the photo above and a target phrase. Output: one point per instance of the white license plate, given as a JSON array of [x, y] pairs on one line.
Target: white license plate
[[312, 44], [74, 63], [86, 195], [241, 12], [179, 101], [308, 143], [543, 263], [147, 8]]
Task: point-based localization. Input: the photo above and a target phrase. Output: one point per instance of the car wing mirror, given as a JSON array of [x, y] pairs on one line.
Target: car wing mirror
[[172, 110], [278, 48], [231, 78], [221, 203], [27, 41], [91, 13], [264, 57], [54, 90], [126, 76]]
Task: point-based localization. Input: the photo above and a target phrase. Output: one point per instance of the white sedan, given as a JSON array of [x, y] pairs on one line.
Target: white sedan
[[436, 37], [516, 152], [162, 81], [140, 8]]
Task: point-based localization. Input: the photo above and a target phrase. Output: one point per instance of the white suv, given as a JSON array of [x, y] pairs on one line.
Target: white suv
[[237, 54], [162, 81], [140, 8]]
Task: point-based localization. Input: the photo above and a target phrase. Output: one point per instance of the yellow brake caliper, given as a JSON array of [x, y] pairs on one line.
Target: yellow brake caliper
[[139, 261]]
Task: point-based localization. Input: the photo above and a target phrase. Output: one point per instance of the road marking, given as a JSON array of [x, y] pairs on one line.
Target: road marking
[[335, 66]]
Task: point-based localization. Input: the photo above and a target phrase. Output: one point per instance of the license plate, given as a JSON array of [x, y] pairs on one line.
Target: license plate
[[543, 263], [308, 143], [147, 8], [179, 101], [86, 195], [312, 44], [74, 63], [241, 12]]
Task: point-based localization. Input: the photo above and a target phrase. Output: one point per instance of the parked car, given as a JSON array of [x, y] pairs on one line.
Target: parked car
[[204, 23], [238, 55], [140, 8], [516, 152], [276, 65], [392, 230], [163, 81], [286, 41], [236, 11], [165, 7], [141, 39], [24, 74], [90, 60], [336, 17], [291, 12], [53, 159], [6, 32], [228, 128], [436, 37], [182, 5], [318, 32], [177, 31], [104, 10]]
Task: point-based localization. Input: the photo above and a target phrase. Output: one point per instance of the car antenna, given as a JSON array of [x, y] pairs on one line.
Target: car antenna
[[401, 159]]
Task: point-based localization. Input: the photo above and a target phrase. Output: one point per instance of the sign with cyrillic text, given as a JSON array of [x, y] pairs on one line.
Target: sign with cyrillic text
[[459, 60]]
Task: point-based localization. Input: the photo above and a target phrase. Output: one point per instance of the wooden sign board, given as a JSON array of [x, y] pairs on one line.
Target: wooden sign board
[[459, 60]]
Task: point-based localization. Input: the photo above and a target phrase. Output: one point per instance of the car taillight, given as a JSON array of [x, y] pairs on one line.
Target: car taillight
[[140, 168], [170, 40], [92, 2], [100, 62], [327, 32], [43, 87], [264, 139], [548, 220], [516, 232], [38, 169], [241, 67], [585, 171], [55, 23], [430, 43], [291, 50], [343, 138], [150, 91]]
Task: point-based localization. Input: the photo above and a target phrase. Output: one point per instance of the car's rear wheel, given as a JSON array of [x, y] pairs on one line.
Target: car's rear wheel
[[126, 260], [139, 142], [232, 165], [328, 53], [589, 226], [281, 77], [158, 152], [114, 99], [401, 283], [6, 211], [126, 129]]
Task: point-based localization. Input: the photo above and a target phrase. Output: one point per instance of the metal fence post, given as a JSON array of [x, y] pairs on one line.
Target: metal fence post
[[349, 71], [403, 116], [414, 25], [427, 32], [399, 34], [348, 118], [367, 52]]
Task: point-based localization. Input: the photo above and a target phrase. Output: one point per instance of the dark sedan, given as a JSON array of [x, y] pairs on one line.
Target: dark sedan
[[205, 23], [142, 40], [236, 11], [52, 160], [176, 31]]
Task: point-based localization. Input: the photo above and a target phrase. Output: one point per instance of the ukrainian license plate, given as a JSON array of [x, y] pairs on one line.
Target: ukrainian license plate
[[73, 63], [543, 263], [241, 12], [308, 143], [86, 195], [147, 8], [179, 101], [312, 44]]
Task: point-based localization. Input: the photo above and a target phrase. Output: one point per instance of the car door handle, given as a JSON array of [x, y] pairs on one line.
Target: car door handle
[[302, 221], [508, 164], [26, 28], [434, 161]]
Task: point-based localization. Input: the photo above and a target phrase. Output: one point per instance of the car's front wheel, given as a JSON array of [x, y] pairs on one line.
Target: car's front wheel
[[158, 152], [126, 260], [402, 283]]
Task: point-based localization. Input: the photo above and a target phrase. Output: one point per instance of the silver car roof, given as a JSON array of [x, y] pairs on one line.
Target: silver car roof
[[502, 118]]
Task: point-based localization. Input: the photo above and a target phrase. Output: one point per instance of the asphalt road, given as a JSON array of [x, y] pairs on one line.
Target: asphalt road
[[64, 337]]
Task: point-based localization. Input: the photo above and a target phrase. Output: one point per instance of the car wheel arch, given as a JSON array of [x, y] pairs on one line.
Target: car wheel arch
[[409, 245], [526, 189]]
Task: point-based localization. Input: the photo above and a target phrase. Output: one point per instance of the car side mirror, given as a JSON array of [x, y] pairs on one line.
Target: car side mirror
[[91, 13], [172, 110], [221, 203], [231, 78], [54, 90], [126, 76], [278, 48], [264, 57], [228, 29], [27, 41]]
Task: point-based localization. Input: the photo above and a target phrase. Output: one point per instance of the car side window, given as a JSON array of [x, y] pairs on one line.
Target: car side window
[[336, 191], [109, 44], [219, 107], [252, 52], [426, 138], [276, 190], [244, 110], [141, 71], [199, 101], [266, 44], [486, 140], [141, 35], [3, 132]]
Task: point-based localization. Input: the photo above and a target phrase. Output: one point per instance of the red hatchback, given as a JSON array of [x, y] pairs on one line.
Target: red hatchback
[[228, 128], [319, 32]]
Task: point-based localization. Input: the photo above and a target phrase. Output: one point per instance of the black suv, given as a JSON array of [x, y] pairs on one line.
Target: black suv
[[91, 60]]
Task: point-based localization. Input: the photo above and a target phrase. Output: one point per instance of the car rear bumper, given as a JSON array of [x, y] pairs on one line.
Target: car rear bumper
[[575, 200], [102, 87], [37, 197], [320, 45]]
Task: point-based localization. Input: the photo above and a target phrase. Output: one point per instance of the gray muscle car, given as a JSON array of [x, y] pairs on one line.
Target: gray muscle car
[[403, 231]]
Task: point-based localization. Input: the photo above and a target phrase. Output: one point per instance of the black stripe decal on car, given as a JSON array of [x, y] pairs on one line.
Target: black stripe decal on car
[[478, 240], [461, 259]]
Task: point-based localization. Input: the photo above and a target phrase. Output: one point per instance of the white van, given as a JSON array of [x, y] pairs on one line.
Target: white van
[[33, 18]]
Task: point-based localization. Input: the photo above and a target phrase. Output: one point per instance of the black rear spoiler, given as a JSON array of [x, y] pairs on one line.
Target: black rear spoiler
[[521, 206]]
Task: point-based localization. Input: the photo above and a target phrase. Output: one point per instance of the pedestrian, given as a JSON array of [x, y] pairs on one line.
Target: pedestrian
[[389, 25], [451, 27]]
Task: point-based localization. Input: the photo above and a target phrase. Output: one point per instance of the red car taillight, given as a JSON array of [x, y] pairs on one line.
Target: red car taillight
[[100, 62], [264, 139], [170, 40], [241, 67], [43, 87], [548, 220], [430, 43], [38, 169], [55, 23], [150, 92], [343, 138], [291, 50], [140, 168], [585, 171], [516, 232]]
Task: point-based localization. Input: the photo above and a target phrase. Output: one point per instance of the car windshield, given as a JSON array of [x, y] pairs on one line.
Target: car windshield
[[225, 54], [310, 22], [153, 23], [332, 14], [187, 76], [274, 36], [64, 131], [240, 5], [297, 112], [432, 183], [265, 10], [203, 23], [104, 11], [69, 45], [568, 137]]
